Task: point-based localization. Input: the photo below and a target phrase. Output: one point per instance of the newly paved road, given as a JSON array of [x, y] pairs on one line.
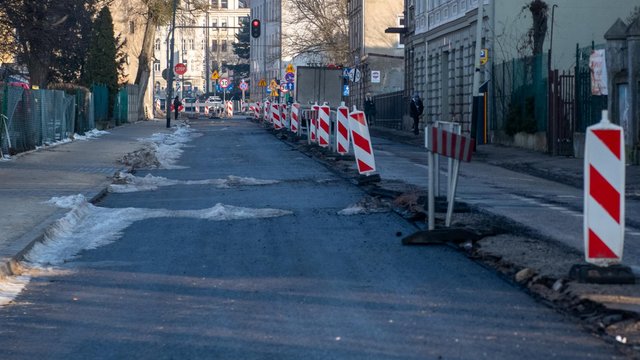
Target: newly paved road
[[311, 284]]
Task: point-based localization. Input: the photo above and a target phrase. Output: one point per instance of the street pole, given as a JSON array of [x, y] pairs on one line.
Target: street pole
[[475, 111], [170, 67], [207, 74]]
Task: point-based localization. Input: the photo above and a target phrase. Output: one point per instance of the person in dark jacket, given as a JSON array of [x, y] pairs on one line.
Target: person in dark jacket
[[176, 106], [416, 109], [370, 109]]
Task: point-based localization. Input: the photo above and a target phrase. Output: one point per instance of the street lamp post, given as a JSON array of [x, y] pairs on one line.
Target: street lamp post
[[170, 67]]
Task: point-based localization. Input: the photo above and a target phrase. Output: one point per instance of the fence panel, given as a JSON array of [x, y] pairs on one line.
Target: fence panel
[[389, 110], [133, 102], [100, 99]]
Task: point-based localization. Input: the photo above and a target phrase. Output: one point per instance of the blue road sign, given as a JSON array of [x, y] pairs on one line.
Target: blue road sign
[[345, 90], [289, 86], [289, 77]]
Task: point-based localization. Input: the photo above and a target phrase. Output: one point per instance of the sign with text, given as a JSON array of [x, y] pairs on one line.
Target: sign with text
[[375, 76]]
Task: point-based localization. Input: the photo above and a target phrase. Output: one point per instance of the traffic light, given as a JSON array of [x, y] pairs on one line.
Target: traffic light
[[255, 28]]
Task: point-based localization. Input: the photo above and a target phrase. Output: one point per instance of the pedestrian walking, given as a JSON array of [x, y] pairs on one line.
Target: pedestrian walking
[[176, 106], [416, 109], [370, 109]]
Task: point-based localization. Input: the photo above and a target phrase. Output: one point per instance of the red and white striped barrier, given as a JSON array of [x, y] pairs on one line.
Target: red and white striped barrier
[[295, 118], [314, 123], [283, 115], [256, 110], [243, 106], [604, 184], [275, 116], [206, 110], [342, 130], [229, 109], [455, 146], [449, 144], [267, 112], [362, 148], [324, 125]]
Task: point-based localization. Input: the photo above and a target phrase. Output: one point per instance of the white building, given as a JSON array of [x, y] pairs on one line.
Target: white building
[[219, 25]]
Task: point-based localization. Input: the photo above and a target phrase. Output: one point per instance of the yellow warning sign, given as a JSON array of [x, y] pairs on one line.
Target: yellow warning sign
[[273, 84], [215, 75], [262, 83], [290, 68], [484, 56]]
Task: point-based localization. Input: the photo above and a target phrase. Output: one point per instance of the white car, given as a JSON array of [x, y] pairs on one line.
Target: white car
[[214, 103]]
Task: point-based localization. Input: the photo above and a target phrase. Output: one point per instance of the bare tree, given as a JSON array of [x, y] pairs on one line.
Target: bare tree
[[322, 29]]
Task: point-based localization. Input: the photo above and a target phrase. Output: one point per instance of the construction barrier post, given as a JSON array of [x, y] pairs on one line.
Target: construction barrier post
[[295, 118], [324, 125], [604, 206], [362, 147], [342, 130]]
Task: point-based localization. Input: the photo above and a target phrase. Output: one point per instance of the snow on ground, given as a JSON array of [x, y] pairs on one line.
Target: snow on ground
[[368, 205], [87, 227], [168, 147], [125, 183], [95, 133]]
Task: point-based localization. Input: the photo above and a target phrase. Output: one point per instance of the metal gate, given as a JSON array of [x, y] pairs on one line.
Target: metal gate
[[562, 113]]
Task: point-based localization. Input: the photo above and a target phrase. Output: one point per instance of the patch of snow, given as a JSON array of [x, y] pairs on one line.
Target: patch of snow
[[353, 210], [88, 226], [125, 182], [95, 133], [11, 286], [168, 147]]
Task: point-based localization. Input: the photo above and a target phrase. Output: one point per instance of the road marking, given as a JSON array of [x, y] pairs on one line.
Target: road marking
[[634, 233]]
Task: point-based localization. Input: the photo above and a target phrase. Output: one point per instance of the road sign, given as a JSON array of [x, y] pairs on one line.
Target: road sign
[[273, 84], [345, 72], [262, 83], [180, 69], [375, 76], [289, 86], [215, 75], [290, 69], [224, 83], [283, 88], [289, 77], [484, 56], [165, 73], [244, 86]]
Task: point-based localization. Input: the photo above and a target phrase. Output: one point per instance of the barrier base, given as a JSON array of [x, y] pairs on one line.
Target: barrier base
[[592, 274], [441, 236], [366, 179]]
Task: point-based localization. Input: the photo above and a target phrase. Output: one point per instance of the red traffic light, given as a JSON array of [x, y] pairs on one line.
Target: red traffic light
[[255, 28]]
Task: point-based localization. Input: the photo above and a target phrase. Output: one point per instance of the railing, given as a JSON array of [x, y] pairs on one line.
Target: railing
[[389, 110]]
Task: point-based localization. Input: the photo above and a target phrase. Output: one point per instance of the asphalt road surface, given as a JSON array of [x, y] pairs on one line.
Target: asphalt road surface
[[307, 283]]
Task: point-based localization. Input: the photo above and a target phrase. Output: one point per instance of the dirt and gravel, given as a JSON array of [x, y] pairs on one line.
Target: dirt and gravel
[[539, 266]]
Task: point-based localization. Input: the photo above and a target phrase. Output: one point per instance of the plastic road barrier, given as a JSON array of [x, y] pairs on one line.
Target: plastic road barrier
[[324, 125], [314, 122], [283, 115], [452, 145], [295, 118], [362, 148], [604, 184], [342, 131], [256, 110], [229, 108], [267, 112], [275, 116]]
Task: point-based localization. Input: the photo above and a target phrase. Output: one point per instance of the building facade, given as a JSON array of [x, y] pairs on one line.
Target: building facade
[[441, 36], [377, 56], [203, 42]]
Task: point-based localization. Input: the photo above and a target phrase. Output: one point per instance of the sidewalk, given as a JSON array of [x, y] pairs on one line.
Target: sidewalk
[[30, 179], [562, 169]]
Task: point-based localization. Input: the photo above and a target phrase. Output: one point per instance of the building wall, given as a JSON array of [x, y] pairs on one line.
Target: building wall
[[442, 70], [191, 46], [374, 50]]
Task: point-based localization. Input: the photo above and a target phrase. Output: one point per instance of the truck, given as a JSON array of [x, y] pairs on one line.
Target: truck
[[318, 84]]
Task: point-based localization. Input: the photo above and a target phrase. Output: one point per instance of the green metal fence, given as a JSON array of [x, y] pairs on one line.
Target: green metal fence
[[100, 99], [32, 118], [519, 99]]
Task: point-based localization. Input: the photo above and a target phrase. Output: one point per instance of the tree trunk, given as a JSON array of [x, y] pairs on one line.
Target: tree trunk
[[38, 70], [144, 62]]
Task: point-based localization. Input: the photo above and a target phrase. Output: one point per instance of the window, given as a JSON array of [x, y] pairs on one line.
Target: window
[[184, 44], [214, 45], [401, 23], [190, 44], [156, 66], [224, 4], [223, 23], [214, 22], [214, 4], [224, 45], [157, 46]]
